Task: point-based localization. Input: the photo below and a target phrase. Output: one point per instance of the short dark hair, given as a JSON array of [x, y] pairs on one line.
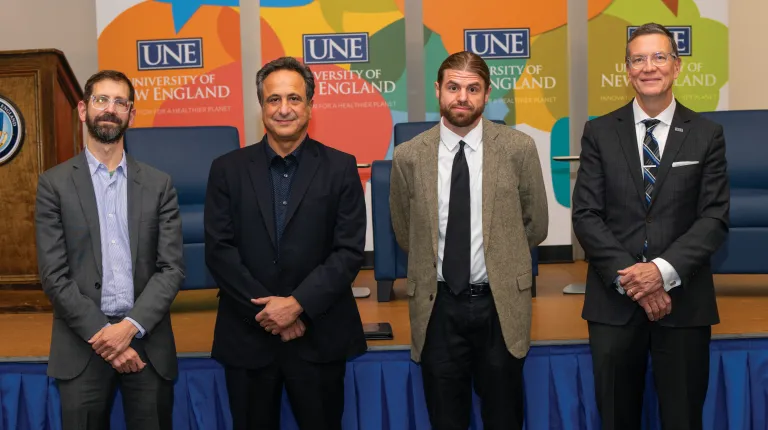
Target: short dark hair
[[285, 63], [112, 75], [653, 28], [468, 61]]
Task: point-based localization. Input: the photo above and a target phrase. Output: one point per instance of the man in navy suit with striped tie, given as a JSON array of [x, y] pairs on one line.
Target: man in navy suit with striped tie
[[650, 207]]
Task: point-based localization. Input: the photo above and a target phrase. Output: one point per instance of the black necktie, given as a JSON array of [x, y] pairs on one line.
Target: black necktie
[[651, 158], [456, 256]]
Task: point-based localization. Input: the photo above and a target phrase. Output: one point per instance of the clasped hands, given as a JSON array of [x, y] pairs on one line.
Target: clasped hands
[[281, 316], [642, 282], [112, 343]]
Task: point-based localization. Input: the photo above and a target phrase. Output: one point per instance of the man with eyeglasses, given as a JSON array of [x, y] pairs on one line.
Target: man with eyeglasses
[[110, 259], [650, 207]]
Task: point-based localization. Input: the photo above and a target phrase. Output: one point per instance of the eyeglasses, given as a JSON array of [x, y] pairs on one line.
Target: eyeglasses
[[103, 102], [657, 59]]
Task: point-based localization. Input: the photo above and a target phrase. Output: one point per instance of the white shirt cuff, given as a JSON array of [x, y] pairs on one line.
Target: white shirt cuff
[[619, 288], [668, 274]]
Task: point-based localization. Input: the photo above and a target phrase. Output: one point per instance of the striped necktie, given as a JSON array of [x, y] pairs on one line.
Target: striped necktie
[[651, 158]]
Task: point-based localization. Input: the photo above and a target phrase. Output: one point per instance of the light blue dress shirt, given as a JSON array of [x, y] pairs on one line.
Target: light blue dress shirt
[[112, 203]]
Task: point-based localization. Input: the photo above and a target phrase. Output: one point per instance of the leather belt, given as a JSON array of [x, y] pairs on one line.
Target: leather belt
[[474, 290]]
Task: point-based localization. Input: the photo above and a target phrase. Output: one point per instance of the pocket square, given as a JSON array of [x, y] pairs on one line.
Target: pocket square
[[683, 163]]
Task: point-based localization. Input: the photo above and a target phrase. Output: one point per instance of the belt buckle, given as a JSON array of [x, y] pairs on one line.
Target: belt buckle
[[474, 292]]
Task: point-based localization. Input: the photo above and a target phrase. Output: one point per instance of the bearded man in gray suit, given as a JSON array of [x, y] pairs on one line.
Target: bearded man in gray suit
[[109, 248]]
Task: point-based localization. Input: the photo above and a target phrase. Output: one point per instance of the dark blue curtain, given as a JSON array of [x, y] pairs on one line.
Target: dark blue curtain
[[384, 392]]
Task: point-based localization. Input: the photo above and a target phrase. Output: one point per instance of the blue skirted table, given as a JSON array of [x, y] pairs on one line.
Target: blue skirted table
[[384, 392]]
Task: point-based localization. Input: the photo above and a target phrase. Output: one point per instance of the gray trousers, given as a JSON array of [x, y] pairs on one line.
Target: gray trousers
[[86, 400]]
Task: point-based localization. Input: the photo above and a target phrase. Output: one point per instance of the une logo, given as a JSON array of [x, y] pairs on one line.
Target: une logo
[[336, 48], [682, 35], [170, 54], [499, 43]]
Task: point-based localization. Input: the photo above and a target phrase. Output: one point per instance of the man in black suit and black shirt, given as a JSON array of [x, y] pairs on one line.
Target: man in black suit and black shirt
[[650, 207], [284, 236]]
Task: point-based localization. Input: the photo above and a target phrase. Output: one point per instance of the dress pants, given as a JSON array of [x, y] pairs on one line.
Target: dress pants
[[464, 344], [315, 391], [680, 361], [86, 400]]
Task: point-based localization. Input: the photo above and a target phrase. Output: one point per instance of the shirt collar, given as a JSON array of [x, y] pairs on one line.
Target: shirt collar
[[271, 154], [665, 116], [451, 139], [94, 164]]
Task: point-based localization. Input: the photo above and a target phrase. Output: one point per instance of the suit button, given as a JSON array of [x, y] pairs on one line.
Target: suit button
[[97, 285], [649, 219], [431, 297]]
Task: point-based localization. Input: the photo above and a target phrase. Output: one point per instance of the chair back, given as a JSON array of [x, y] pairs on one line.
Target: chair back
[[186, 154]]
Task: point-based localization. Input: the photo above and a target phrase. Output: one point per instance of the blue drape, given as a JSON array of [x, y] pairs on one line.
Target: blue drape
[[384, 392]]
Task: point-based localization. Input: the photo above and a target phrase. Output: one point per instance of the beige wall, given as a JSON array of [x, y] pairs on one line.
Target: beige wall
[[748, 87], [66, 25]]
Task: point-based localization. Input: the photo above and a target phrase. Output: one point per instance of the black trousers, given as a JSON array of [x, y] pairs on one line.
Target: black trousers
[[464, 344], [680, 361], [315, 391], [86, 400]]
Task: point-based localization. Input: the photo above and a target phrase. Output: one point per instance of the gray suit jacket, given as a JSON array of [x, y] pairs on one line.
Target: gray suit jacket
[[515, 219], [69, 260]]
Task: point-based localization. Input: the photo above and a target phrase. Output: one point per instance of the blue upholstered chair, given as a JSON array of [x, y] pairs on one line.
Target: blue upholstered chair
[[746, 146], [186, 153], [390, 261]]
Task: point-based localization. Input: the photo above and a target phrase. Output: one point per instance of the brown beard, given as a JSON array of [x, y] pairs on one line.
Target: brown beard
[[106, 134], [461, 121]]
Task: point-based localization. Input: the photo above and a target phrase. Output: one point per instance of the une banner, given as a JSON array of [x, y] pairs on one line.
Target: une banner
[[526, 52], [356, 51], [700, 28], [183, 57]]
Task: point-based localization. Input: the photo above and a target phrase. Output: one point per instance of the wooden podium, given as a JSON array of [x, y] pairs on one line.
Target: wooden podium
[[41, 87]]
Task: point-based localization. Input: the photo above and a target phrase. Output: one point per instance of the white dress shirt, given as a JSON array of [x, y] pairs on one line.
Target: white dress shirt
[[660, 132], [473, 151]]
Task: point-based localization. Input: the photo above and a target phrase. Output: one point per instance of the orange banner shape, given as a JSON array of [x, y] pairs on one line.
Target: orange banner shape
[[182, 58]]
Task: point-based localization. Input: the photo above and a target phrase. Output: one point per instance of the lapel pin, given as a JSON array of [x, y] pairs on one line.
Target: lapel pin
[[679, 129]]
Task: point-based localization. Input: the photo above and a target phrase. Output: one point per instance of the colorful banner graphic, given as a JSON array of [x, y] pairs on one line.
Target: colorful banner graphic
[[700, 28], [356, 50], [526, 52], [183, 57]]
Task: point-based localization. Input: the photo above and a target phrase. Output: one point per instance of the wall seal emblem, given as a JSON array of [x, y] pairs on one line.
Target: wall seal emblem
[[11, 130]]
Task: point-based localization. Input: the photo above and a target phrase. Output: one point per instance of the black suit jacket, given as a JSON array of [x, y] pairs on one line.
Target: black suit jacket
[[321, 253], [685, 224]]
